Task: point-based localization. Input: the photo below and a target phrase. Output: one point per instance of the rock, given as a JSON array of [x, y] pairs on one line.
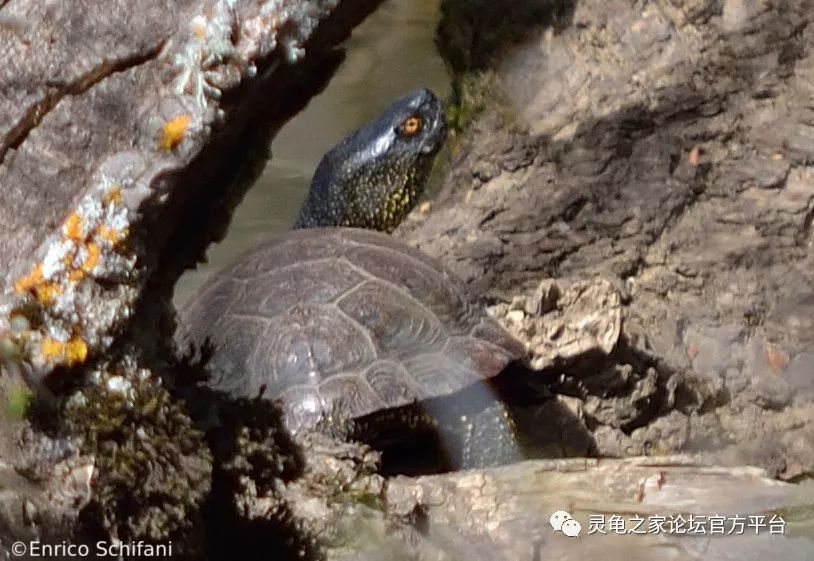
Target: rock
[[124, 135], [339, 480], [666, 149], [503, 513], [564, 324], [129, 131]]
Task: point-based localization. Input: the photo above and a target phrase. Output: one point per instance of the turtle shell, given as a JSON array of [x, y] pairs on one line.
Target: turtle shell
[[331, 317]]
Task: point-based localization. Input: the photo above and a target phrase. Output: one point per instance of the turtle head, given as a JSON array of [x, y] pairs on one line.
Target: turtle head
[[375, 176]]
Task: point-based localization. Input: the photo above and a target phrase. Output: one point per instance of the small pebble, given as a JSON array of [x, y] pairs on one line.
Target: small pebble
[[30, 512], [8, 349], [117, 384], [19, 324], [516, 316], [695, 156]]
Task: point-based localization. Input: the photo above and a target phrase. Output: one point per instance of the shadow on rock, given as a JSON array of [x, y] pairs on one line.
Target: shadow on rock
[[253, 456], [472, 34]]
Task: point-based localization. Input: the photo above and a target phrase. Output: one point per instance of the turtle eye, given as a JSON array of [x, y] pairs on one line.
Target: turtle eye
[[411, 126]]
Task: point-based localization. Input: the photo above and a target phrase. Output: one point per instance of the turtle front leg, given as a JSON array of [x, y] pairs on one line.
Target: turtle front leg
[[483, 438], [476, 428]]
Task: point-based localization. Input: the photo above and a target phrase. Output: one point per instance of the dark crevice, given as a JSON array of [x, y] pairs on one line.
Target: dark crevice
[[794, 50], [680, 210], [573, 209], [57, 92], [804, 235]]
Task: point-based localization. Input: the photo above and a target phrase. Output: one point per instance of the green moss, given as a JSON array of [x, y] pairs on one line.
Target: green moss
[[359, 490], [153, 466], [251, 442], [348, 474], [475, 36], [367, 535], [473, 94], [18, 402], [254, 458], [659, 449]]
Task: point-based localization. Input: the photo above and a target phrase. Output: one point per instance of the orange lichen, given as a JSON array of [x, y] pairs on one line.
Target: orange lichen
[[76, 275], [47, 292], [113, 196], [92, 259], [173, 132], [68, 259], [26, 283], [72, 228], [110, 234], [199, 31], [72, 352], [52, 349], [76, 351]]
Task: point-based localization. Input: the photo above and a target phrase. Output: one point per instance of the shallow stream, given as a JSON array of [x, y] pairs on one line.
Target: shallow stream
[[391, 53]]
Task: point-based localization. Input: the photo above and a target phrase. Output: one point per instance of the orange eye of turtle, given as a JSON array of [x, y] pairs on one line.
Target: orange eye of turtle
[[411, 126]]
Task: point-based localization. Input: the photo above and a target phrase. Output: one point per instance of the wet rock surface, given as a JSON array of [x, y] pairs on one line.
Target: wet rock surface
[[665, 147]]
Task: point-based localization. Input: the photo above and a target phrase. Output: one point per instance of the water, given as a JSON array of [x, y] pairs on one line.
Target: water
[[391, 53]]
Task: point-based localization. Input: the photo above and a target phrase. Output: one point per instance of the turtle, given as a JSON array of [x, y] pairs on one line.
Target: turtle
[[340, 323], [375, 176]]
